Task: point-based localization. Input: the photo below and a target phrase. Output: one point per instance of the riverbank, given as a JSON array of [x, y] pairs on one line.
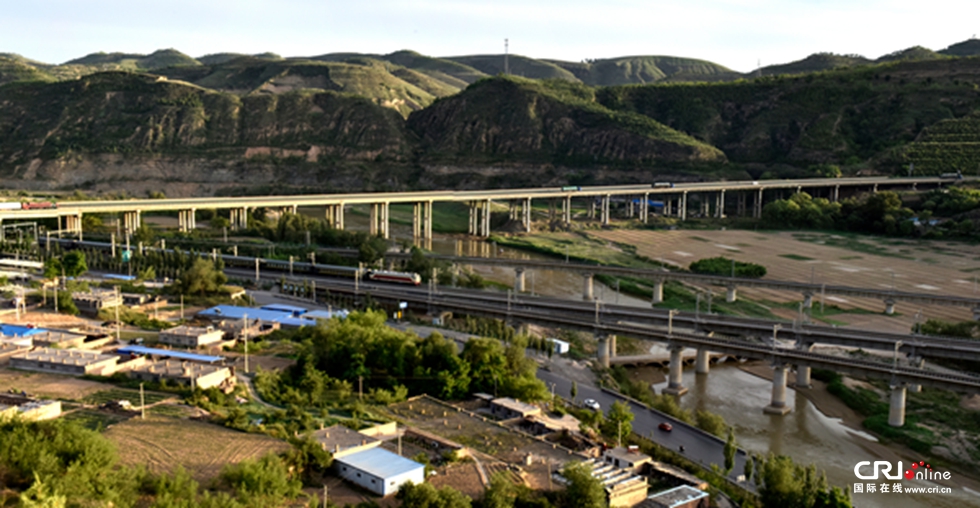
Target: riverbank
[[832, 407]]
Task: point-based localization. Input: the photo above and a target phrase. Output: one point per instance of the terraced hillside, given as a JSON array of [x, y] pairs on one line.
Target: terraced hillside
[[949, 145]]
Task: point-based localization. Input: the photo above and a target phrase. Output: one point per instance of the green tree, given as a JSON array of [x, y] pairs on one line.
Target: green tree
[[488, 365], [710, 422], [618, 423], [730, 449], [266, 479], [202, 278], [583, 489], [749, 468], [74, 264], [41, 496], [500, 494], [574, 391], [424, 495]]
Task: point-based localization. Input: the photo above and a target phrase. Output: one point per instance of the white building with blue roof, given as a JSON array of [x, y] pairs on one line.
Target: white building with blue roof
[[379, 470]]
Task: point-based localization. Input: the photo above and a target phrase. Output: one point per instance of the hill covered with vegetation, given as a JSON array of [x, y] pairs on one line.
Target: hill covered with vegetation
[[406, 114]]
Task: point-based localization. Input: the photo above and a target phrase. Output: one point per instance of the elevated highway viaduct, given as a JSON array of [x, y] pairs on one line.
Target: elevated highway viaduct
[[565, 314], [676, 199]]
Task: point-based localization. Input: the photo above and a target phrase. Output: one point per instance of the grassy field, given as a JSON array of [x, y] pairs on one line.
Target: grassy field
[[48, 385], [161, 443], [95, 420], [446, 217], [133, 396]]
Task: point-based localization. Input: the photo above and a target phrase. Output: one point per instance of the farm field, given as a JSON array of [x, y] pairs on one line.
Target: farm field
[[161, 443], [848, 260], [48, 385]]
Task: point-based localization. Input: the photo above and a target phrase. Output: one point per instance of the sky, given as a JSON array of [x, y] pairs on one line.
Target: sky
[[739, 34]]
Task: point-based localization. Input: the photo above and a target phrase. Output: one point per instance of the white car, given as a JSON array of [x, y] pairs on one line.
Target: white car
[[592, 404]]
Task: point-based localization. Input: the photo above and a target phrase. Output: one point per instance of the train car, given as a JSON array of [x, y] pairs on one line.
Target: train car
[[397, 277], [570, 188], [957, 175], [38, 205], [10, 205], [662, 185]]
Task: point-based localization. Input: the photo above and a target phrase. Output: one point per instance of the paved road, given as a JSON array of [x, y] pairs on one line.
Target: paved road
[[698, 447]]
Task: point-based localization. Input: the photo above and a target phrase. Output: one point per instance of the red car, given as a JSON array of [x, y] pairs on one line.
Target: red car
[[666, 427]]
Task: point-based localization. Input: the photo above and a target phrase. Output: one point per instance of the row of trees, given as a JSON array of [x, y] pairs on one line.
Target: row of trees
[[362, 349], [728, 267], [879, 213]]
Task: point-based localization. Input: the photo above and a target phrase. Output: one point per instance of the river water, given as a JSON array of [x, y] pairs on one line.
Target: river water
[[805, 434]]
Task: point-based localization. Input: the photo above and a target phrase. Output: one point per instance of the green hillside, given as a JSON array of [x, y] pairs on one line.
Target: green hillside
[[815, 63], [949, 145], [220, 58], [645, 69], [128, 113], [364, 77], [123, 61], [970, 47], [913, 53], [519, 66], [519, 120], [12, 69], [853, 117]]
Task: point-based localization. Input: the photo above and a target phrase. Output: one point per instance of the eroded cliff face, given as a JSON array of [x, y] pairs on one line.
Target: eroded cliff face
[[136, 133], [516, 120], [49, 130]]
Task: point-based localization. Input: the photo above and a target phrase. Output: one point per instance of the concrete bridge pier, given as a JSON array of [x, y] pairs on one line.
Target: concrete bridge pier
[[588, 287], [566, 210], [917, 362], [645, 209], [512, 210], [335, 216], [803, 376], [131, 221], [611, 340], [757, 206], [675, 384], [239, 218], [731, 294], [422, 220], [485, 219], [705, 205], [702, 363], [777, 406], [740, 205], [720, 205], [591, 213], [474, 211], [835, 194], [187, 222], [889, 306], [682, 212], [658, 292], [896, 406], [603, 352], [519, 280], [605, 210], [630, 207], [668, 206], [526, 214]]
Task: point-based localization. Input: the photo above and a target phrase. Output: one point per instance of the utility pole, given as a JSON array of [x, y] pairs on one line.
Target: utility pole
[[245, 335], [324, 495], [360, 387], [142, 404], [181, 308], [256, 270], [506, 56]]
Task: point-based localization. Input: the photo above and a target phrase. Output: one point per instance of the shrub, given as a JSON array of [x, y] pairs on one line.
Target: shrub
[[724, 266]]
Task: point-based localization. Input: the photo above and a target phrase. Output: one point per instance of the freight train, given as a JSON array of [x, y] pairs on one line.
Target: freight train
[[28, 205], [296, 267]]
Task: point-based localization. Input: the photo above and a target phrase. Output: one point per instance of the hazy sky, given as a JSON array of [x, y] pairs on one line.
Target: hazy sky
[[734, 33]]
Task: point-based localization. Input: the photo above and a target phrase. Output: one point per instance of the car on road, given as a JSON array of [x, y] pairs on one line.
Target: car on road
[[666, 427], [592, 404]]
